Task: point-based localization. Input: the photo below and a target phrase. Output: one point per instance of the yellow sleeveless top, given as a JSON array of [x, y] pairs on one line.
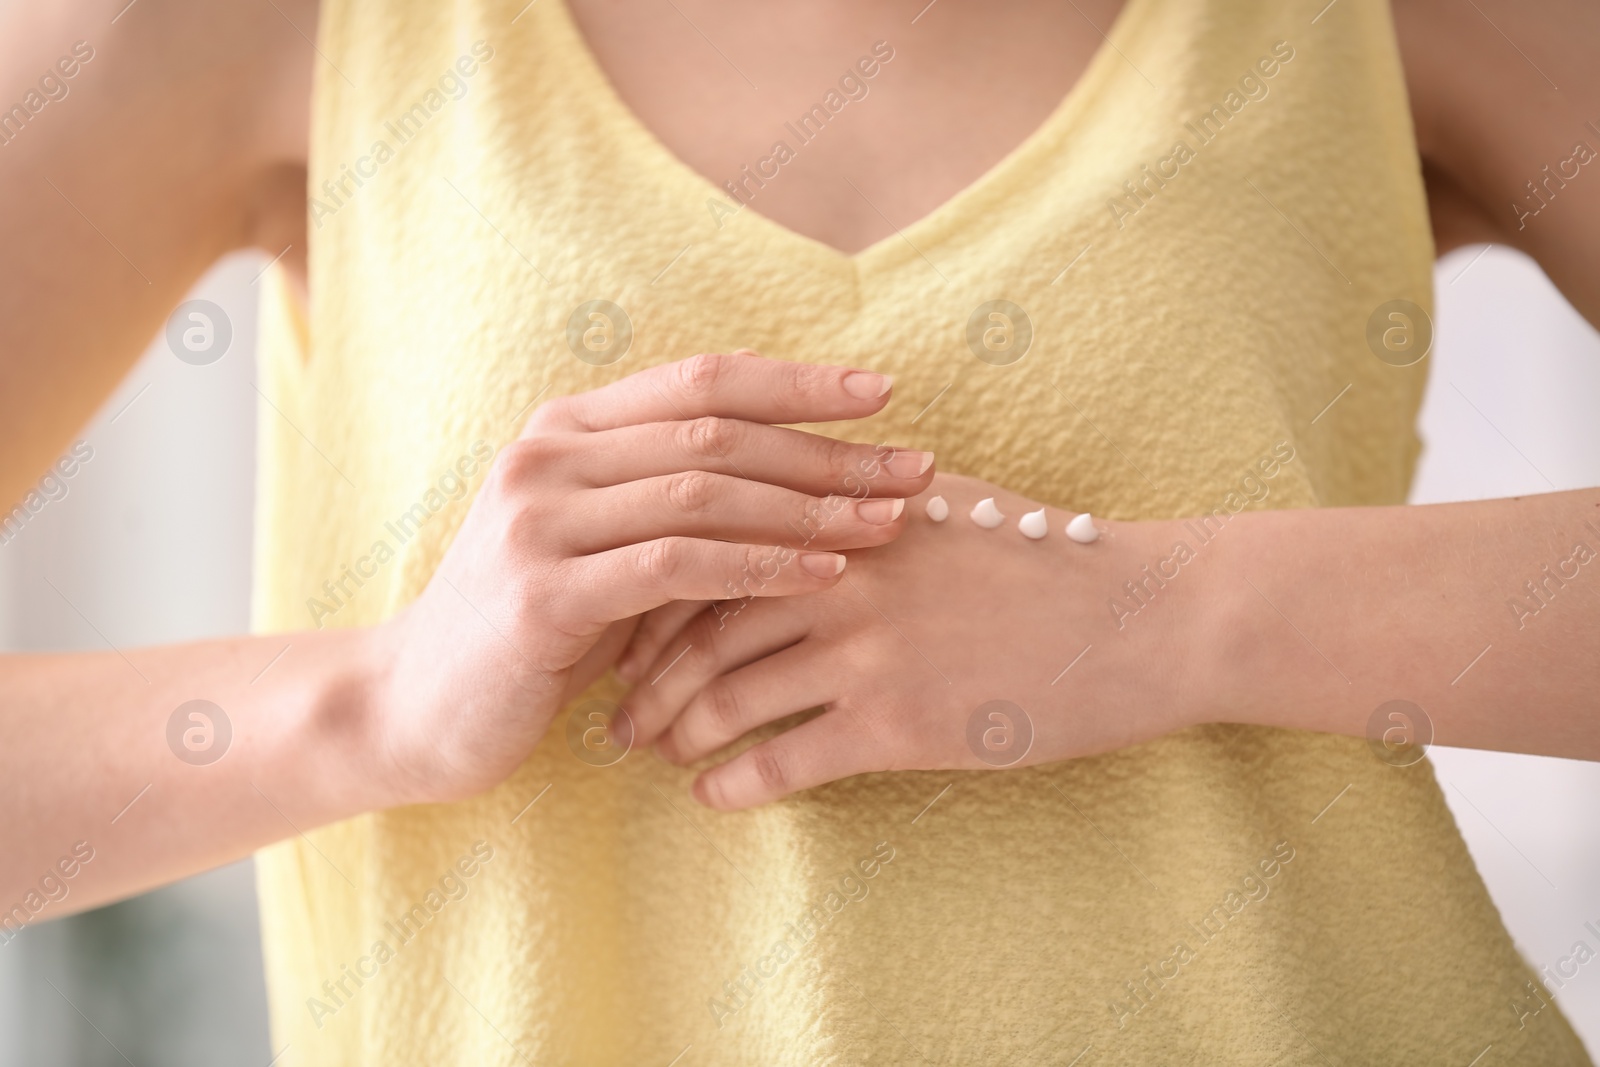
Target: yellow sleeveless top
[[1185, 258]]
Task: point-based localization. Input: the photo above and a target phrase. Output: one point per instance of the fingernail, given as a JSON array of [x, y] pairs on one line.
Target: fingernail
[[822, 564], [879, 512], [909, 464], [865, 385], [745, 352]]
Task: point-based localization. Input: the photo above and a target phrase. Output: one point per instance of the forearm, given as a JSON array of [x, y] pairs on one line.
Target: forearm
[[93, 756], [1485, 614]]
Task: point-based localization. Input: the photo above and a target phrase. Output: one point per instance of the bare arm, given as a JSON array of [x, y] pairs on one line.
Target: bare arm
[[1506, 102], [87, 761], [137, 145], [179, 135], [1485, 615]]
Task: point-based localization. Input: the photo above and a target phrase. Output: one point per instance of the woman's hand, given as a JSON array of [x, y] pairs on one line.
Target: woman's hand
[[908, 652], [667, 485]]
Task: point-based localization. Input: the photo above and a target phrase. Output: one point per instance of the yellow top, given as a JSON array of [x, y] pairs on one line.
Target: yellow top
[[1196, 239]]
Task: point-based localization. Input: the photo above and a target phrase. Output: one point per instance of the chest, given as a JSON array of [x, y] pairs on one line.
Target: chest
[[842, 121], [1167, 275]]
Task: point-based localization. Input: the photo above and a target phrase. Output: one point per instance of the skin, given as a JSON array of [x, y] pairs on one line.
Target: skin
[[1395, 603], [204, 108]]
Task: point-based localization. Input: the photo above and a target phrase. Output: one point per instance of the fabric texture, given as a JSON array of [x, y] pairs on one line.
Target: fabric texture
[[1225, 895]]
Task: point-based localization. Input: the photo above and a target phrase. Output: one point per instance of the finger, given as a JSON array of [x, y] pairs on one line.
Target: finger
[[834, 745], [731, 386], [720, 640], [794, 459], [702, 504], [655, 629], [732, 705], [623, 582]]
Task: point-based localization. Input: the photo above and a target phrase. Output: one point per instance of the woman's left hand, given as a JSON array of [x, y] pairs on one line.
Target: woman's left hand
[[954, 647]]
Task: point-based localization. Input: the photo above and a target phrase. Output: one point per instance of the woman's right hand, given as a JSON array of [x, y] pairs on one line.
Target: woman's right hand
[[671, 484]]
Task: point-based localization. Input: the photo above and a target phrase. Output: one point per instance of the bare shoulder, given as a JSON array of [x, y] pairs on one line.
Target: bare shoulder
[[163, 85], [1506, 102], [139, 141]]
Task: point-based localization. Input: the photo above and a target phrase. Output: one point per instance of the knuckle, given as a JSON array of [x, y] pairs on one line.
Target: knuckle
[[708, 437], [691, 492], [699, 376], [722, 709], [770, 769], [700, 655], [659, 561], [553, 414], [841, 460], [715, 790], [702, 632], [568, 622], [518, 533], [523, 460], [809, 383], [653, 632], [764, 565]]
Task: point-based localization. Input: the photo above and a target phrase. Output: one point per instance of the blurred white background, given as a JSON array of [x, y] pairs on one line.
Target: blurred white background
[[153, 545]]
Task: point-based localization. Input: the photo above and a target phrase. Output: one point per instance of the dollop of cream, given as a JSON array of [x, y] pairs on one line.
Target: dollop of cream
[[938, 510], [1082, 529], [1034, 525], [985, 514]]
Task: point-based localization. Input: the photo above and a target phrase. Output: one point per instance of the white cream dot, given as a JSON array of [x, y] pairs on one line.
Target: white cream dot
[[1034, 524], [938, 510], [1082, 529], [985, 514]]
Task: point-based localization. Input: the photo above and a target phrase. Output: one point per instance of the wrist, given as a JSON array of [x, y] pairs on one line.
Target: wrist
[[1271, 636], [328, 757], [1168, 613], [1216, 621]]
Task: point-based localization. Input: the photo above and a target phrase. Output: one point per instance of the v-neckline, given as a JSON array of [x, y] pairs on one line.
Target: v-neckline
[[904, 241]]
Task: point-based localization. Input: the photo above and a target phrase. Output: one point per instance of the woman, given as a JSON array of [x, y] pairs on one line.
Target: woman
[[1153, 262]]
